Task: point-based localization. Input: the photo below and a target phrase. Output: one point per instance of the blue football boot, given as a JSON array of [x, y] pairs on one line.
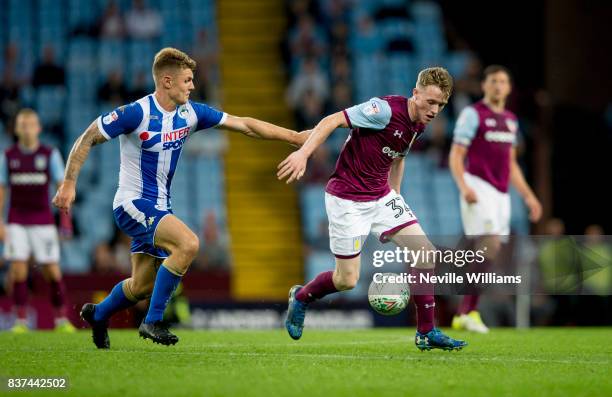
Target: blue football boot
[[435, 339], [296, 312]]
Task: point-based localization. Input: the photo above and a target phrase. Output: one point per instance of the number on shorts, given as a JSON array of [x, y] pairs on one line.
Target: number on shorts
[[395, 207]]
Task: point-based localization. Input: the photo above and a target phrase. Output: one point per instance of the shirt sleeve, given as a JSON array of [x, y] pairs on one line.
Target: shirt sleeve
[[3, 170], [466, 127], [513, 126], [374, 114], [122, 120], [207, 116], [56, 166]]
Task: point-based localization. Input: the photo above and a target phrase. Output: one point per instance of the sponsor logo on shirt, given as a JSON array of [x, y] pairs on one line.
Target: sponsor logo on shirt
[[390, 152], [174, 139], [499, 136], [28, 178]]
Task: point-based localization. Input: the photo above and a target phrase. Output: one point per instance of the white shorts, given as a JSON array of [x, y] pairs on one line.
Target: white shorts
[[350, 222], [40, 240], [490, 215]]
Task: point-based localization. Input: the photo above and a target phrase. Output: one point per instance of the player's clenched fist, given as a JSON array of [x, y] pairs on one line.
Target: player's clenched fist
[[65, 196], [293, 166]]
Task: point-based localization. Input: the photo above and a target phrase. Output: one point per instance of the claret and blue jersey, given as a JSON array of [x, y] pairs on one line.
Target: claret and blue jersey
[[151, 142]]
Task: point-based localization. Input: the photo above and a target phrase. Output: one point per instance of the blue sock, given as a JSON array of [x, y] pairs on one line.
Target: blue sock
[[165, 284], [114, 302]]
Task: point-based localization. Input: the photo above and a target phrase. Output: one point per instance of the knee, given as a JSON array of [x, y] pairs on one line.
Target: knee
[[345, 281], [189, 247]]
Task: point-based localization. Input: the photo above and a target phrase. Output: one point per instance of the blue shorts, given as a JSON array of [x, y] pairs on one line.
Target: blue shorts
[[139, 218]]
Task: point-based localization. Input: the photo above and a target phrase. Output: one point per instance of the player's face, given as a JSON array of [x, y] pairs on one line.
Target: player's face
[[497, 86], [181, 86], [429, 101], [27, 127]]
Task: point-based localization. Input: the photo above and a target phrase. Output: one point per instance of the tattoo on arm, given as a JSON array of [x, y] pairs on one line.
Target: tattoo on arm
[[80, 150]]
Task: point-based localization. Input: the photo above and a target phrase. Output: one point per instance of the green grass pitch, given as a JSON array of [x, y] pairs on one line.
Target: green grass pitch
[[507, 362]]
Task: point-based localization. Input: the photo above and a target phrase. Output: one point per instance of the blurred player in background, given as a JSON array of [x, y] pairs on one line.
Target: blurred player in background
[[28, 168], [485, 136], [152, 132], [363, 195]]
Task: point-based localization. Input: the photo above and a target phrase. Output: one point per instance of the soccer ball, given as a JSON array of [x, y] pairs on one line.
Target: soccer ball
[[387, 298]]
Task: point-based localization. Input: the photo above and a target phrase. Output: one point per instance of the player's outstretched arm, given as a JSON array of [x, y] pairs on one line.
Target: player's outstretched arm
[[294, 166], [518, 180], [80, 150], [260, 129]]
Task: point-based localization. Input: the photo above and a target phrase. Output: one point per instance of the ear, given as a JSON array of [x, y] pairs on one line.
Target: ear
[[167, 81], [415, 92]]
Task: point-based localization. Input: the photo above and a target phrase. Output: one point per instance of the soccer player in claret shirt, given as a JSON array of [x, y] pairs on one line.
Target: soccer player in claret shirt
[[152, 132], [483, 163], [27, 169], [362, 196]]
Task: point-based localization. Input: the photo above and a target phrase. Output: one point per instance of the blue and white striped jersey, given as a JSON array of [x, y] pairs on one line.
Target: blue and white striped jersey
[[151, 141]]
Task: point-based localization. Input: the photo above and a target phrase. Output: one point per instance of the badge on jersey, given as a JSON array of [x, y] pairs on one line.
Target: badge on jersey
[[109, 118], [40, 162], [183, 112], [371, 109]]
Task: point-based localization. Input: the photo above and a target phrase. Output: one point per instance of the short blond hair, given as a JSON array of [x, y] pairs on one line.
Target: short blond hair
[[25, 112], [171, 58], [437, 76]]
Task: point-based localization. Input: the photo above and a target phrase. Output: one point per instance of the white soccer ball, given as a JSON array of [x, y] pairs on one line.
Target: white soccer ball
[[388, 298]]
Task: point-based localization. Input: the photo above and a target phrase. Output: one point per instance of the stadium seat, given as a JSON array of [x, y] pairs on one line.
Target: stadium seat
[[111, 57], [369, 71], [50, 103], [312, 199]]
